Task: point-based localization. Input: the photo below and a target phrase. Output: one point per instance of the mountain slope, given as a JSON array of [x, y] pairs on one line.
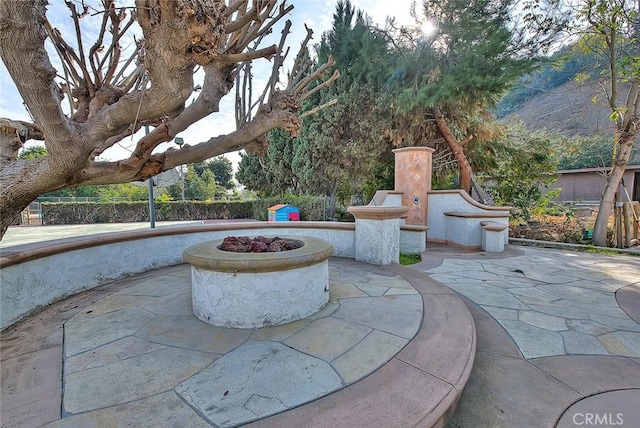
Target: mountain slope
[[569, 110]]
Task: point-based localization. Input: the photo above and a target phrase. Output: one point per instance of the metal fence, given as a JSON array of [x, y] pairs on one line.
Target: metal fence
[[32, 215]]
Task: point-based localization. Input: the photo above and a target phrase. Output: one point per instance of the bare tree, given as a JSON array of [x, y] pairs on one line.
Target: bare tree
[[615, 24], [102, 94]]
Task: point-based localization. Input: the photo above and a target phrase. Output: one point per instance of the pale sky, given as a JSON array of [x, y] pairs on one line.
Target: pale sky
[[317, 14]]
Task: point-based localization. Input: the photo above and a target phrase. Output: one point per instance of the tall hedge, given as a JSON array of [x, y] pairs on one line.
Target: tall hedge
[[127, 212], [312, 208]]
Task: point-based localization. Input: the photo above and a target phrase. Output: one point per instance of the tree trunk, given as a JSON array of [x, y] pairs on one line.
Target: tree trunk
[[463, 164], [611, 187], [10, 214], [15, 198], [21, 182], [627, 120]]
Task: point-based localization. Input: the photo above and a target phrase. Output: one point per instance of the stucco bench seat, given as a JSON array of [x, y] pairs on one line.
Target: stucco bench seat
[[492, 236], [413, 238], [466, 230]]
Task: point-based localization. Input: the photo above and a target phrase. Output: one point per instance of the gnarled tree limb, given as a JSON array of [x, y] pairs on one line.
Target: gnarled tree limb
[[111, 100]]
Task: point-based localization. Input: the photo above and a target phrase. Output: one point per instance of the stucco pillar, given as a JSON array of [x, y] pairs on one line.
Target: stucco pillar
[[413, 179], [377, 233]]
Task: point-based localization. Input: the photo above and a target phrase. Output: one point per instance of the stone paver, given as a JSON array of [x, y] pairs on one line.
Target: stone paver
[[163, 410], [624, 343], [146, 342], [398, 315], [565, 301], [582, 343], [85, 332], [547, 322], [534, 341], [130, 379], [313, 342], [187, 332], [374, 350], [257, 379], [32, 381], [119, 350], [591, 374]]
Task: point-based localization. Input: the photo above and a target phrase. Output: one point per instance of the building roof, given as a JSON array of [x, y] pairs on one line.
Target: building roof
[[600, 169], [279, 206]]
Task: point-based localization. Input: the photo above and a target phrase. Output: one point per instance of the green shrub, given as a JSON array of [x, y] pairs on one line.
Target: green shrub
[[409, 258]]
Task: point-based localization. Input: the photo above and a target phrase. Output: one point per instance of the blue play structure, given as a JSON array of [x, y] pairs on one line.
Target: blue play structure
[[284, 212]]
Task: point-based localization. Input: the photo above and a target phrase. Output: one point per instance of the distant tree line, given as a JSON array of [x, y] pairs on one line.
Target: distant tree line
[[208, 180]]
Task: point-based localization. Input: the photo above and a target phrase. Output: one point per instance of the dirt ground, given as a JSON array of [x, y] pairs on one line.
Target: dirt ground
[[556, 229]]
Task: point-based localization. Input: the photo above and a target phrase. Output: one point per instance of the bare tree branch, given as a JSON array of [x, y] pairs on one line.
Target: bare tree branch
[[335, 76], [233, 7], [267, 52], [93, 56], [299, 87], [128, 170], [242, 21], [320, 107], [111, 100], [23, 36]]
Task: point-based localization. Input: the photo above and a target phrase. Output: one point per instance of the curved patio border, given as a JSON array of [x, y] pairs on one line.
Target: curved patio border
[[420, 386]]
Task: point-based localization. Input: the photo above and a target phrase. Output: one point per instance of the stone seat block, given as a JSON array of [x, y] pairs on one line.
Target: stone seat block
[[492, 236]]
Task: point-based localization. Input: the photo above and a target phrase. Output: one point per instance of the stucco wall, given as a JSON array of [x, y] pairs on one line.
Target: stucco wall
[[441, 201], [41, 280]]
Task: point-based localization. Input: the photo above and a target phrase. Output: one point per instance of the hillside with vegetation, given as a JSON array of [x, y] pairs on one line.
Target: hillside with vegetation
[[565, 99]]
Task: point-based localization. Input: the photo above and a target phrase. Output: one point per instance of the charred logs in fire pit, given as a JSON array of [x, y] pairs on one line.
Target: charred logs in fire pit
[[259, 244]]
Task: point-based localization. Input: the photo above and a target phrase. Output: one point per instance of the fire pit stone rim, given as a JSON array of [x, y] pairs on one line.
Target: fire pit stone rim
[[207, 255]]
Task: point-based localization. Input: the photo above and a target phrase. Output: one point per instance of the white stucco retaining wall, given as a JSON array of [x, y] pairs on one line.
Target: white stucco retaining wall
[[33, 276], [460, 231], [62, 268]]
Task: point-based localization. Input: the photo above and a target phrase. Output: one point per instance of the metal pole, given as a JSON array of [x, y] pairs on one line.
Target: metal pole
[[182, 180], [324, 208], [152, 207], [180, 141]]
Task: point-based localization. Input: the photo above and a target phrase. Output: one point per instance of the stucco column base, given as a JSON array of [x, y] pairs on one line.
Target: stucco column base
[[377, 233]]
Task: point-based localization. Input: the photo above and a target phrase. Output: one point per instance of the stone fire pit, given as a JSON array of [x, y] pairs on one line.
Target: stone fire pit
[[251, 290]]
